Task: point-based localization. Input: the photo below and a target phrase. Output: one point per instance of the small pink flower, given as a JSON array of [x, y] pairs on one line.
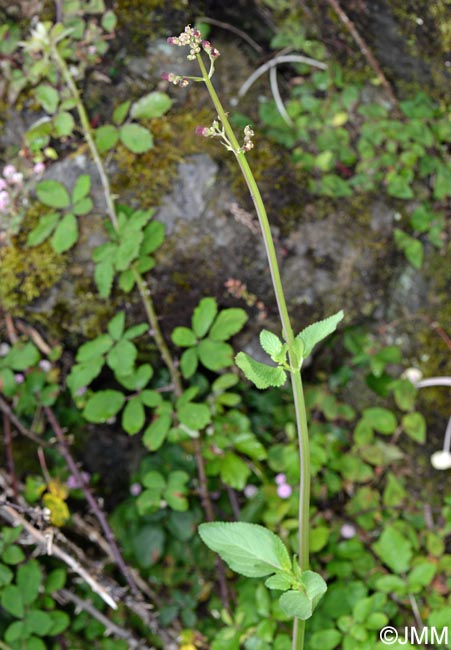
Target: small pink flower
[[204, 131], [281, 479], [45, 365], [16, 178], [4, 200], [348, 531], [9, 171], [19, 378], [81, 391], [250, 491], [3, 184], [135, 489], [73, 483], [39, 168], [284, 491]]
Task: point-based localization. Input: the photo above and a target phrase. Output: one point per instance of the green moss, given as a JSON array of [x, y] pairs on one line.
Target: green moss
[[27, 273], [153, 173], [142, 20]]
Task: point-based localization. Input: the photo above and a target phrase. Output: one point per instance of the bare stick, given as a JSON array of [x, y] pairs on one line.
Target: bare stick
[[10, 455], [5, 407], [100, 516], [111, 628], [365, 50], [14, 518]]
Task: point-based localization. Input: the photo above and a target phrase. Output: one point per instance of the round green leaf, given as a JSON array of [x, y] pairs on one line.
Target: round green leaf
[[136, 138], [234, 471], [194, 416], [380, 419], [65, 235], [106, 137], [53, 194], [414, 425], [12, 602], [63, 123], [103, 405], [44, 229], [133, 417], [121, 357], [227, 323], [155, 104], [29, 578], [189, 362], [48, 97], [184, 337], [156, 432], [203, 316], [215, 355]]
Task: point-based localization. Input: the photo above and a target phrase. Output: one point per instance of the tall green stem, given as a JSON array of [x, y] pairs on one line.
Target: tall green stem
[[296, 381]]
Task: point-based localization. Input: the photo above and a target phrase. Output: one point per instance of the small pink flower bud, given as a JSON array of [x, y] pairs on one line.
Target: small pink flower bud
[[39, 168], [284, 491], [250, 491], [74, 483], [281, 479], [3, 184], [135, 489], [19, 378], [4, 200], [8, 171], [173, 40], [204, 131], [348, 531], [16, 178], [45, 365]]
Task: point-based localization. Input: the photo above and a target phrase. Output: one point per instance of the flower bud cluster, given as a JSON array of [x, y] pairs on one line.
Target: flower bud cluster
[[191, 38], [175, 79], [248, 135]]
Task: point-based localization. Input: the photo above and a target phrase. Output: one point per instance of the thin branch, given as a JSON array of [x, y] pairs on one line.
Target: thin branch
[[5, 407], [111, 628], [416, 611], [277, 60], [10, 455], [14, 518], [99, 514], [365, 50]]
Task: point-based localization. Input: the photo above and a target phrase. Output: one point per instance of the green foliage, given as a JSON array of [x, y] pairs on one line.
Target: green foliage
[[205, 341]]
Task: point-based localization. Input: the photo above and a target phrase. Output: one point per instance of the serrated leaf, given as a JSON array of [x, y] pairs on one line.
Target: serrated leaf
[[103, 405], [227, 323], [271, 343], [248, 444], [11, 601], [120, 113], [81, 188], [22, 356], [380, 419], [215, 355], [106, 137], [183, 337], [394, 549], [44, 229], [122, 356], [103, 277], [414, 425], [83, 207], [128, 249], [156, 432], [154, 234], [136, 138], [63, 124], [137, 379], [260, 374], [29, 578], [278, 581], [53, 193], [65, 235], [48, 97], [94, 348], [203, 316], [155, 104], [234, 471], [188, 363], [249, 549], [116, 325], [194, 416], [296, 604], [133, 416], [126, 280], [316, 332]]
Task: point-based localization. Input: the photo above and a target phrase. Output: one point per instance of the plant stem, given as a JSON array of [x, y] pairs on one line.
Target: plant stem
[[296, 382]]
